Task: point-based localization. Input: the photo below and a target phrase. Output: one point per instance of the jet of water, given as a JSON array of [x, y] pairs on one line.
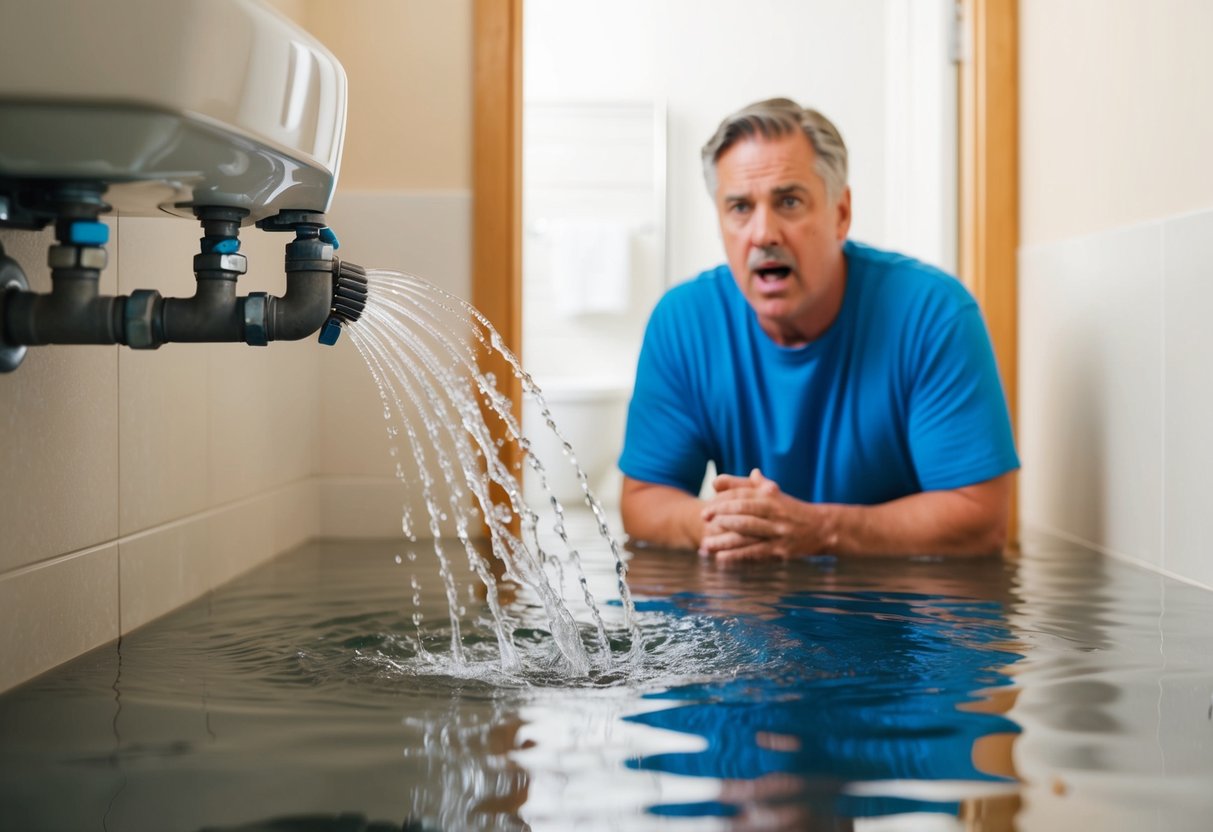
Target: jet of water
[[422, 346]]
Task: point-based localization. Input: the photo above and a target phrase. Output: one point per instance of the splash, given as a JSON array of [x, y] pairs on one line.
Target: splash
[[425, 349]]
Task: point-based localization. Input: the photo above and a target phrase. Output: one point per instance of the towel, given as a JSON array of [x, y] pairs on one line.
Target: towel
[[591, 266]]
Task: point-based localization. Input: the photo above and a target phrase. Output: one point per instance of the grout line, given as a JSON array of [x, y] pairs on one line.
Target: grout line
[[157, 529], [1066, 537], [1162, 407], [48, 561], [1092, 236], [116, 248], [317, 480]]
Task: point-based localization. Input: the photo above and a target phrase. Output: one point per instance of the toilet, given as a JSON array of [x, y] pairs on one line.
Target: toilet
[[589, 414]]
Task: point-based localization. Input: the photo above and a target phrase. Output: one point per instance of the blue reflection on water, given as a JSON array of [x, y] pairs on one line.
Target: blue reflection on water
[[866, 687]]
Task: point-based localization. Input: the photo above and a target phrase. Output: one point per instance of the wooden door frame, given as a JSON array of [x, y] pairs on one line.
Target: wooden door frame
[[497, 188], [989, 175], [989, 181]]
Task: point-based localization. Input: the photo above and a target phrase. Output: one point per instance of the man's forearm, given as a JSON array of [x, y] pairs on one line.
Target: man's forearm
[[661, 515], [938, 522], [750, 518]]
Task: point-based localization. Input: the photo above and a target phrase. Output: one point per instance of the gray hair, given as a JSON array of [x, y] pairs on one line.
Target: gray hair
[[774, 118]]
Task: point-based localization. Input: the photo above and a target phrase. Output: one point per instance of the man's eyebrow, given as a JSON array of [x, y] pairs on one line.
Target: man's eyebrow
[[784, 190]]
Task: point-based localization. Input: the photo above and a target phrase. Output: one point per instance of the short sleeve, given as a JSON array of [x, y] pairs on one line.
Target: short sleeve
[[959, 425], [664, 442]]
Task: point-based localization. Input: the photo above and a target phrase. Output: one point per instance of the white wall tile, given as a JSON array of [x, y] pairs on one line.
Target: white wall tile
[[1058, 482], [1189, 397], [241, 537], [55, 611], [264, 402], [163, 399], [58, 434], [295, 515], [368, 507], [1123, 296], [1090, 411], [163, 569], [427, 235]]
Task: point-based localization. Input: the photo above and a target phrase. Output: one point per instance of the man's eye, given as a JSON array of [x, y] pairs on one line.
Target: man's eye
[[739, 208], [790, 202]]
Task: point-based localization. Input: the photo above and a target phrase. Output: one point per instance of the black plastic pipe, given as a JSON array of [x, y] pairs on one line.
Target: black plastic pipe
[[72, 313], [322, 293]]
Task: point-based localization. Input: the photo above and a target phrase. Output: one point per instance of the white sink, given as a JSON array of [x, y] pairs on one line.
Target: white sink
[[172, 103]]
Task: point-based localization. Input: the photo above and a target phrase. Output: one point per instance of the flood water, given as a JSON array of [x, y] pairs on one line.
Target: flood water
[[1058, 689]]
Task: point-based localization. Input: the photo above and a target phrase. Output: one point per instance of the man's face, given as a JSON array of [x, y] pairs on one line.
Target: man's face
[[782, 235]]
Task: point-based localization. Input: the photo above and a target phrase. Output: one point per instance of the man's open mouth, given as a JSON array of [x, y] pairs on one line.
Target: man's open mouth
[[770, 274]]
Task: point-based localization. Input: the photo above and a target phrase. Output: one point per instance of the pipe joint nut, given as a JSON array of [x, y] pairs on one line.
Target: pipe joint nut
[[76, 257], [138, 318], [233, 263], [256, 319], [325, 266], [308, 251]]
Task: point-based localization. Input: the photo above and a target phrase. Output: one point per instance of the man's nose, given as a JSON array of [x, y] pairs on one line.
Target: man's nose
[[764, 227]]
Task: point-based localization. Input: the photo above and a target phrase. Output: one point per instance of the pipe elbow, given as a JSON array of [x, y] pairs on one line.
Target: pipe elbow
[[303, 308]]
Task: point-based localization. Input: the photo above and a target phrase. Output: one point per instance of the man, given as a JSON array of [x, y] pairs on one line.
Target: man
[[848, 396]]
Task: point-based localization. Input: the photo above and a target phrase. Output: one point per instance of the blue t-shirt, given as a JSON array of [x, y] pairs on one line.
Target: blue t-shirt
[[899, 395]]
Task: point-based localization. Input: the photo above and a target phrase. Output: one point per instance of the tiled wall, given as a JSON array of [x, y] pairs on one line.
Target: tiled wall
[[1116, 215], [1115, 392], [424, 234], [136, 481]]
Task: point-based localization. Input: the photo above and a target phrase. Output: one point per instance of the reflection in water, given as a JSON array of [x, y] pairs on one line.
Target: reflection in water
[[872, 685]]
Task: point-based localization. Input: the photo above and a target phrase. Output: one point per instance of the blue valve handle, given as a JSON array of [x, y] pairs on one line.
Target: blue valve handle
[[330, 332], [86, 233]]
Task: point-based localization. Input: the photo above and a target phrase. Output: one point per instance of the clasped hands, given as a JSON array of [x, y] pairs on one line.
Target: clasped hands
[[750, 518]]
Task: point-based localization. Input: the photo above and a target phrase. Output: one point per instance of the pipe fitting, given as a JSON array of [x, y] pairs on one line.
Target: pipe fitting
[[256, 314], [227, 265], [12, 282], [77, 257], [322, 292], [139, 319]]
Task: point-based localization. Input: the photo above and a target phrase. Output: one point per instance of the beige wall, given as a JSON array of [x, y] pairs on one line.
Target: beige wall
[[409, 64], [135, 481], [1115, 124], [1114, 276]]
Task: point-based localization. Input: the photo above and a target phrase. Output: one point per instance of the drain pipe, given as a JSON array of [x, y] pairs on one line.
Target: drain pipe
[[74, 312], [322, 291]]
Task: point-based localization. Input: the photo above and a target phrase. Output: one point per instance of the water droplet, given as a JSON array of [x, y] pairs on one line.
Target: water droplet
[[399, 559], [387, 412]]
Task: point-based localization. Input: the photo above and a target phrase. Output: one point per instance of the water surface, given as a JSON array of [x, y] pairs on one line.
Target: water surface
[[319, 693]]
